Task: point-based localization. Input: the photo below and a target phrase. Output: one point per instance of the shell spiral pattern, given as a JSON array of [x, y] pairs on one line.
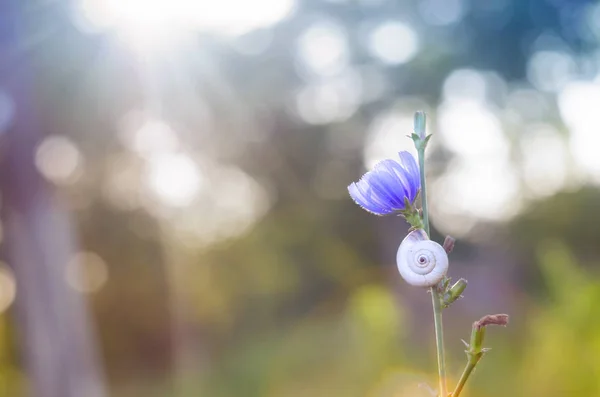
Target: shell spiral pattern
[[421, 262]]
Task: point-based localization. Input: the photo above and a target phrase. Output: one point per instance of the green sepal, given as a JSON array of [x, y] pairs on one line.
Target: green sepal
[[420, 144], [419, 136], [413, 218], [427, 138], [412, 215]]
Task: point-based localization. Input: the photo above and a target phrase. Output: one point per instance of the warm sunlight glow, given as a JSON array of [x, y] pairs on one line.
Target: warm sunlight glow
[[150, 138], [148, 23], [229, 208], [174, 178], [58, 160], [86, 272]]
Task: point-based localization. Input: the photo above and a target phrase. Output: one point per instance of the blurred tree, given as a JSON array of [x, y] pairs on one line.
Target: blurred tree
[[55, 341]]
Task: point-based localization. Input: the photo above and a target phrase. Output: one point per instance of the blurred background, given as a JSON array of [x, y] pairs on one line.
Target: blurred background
[[174, 213]]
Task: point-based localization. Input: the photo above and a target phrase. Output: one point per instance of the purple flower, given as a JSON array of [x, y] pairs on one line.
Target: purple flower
[[385, 189]]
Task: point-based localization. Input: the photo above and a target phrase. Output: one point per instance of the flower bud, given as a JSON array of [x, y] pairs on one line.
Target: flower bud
[[476, 348], [477, 336], [420, 124], [454, 293], [449, 244]]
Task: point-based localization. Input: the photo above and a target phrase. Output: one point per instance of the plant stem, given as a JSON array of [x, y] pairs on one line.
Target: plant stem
[[435, 296], [463, 378], [475, 347], [421, 153], [439, 340]]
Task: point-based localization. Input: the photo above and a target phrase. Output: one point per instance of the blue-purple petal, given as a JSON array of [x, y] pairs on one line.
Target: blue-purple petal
[[410, 165], [403, 181], [384, 189], [364, 200], [372, 195]]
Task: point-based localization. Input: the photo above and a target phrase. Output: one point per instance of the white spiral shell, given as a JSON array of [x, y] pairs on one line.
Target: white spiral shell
[[421, 262]]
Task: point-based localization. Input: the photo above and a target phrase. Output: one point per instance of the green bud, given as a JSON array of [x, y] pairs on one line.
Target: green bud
[[454, 293], [420, 124], [449, 244], [477, 336], [476, 349], [419, 136]]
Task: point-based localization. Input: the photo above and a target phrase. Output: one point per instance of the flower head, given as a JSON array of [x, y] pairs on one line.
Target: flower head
[[386, 189]]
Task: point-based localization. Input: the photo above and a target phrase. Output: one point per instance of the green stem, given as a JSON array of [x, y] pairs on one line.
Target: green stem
[[435, 296], [421, 153], [475, 347], [464, 377], [439, 340]]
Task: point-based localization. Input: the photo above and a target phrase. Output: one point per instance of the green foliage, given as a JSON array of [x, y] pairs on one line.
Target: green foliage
[[341, 350], [12, 381], [563, 343]]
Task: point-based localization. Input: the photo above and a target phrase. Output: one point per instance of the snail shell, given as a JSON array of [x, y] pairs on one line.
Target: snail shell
[[421, 262]]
